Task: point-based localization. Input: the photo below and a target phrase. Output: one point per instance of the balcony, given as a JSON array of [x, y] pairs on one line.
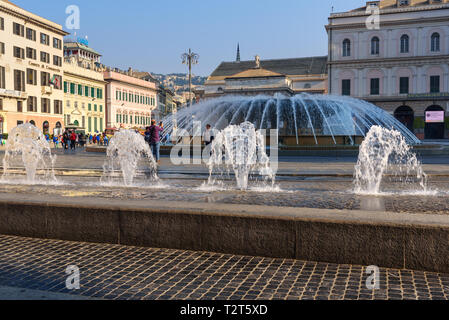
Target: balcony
[[13, 94]]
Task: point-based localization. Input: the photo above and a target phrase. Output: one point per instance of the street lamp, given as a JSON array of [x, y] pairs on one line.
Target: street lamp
[[190, 59]]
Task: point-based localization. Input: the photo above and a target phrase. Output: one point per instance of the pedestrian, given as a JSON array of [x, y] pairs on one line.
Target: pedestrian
[[73, 141], [55, 141], [91, 138], [65, 139], [154, 139], [208, 136]]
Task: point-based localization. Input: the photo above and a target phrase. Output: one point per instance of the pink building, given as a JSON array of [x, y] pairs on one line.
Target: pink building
[[129, 100]]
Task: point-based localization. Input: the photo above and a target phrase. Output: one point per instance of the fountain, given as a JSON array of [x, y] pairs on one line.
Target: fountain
[[384, 150], [27, 144], [243, 149], [301, 119], [124, 152]]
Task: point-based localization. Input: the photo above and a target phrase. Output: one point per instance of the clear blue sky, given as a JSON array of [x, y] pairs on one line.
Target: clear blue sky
[[151, 35]]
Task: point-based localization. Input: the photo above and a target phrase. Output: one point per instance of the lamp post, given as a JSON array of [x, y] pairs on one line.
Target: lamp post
[[190, 59]]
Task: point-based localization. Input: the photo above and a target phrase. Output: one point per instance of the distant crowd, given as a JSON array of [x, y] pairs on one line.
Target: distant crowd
[[70, 139]]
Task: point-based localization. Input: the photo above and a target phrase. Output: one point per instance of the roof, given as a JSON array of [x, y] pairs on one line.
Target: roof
[[77, 45], [256, 73], [295, 66]]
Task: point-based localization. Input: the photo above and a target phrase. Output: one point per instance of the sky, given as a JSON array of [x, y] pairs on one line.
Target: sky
[[151, 35]]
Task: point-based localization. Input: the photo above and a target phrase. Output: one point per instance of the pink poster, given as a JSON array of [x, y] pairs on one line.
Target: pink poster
[[434, 116]]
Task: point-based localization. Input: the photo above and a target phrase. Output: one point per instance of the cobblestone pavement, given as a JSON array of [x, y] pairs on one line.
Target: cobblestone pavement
[[119, 272]]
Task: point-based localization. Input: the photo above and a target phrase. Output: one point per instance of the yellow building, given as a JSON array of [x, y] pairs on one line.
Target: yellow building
[[31, 73], [84, 87]]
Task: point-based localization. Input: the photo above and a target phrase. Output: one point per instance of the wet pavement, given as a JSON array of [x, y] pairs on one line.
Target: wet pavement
[[321, 193]]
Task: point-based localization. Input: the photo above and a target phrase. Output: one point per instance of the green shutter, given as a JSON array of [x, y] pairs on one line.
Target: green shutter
[[92, 92], [65, 87], [101, 124], [95, 107], [101, 108], [95, 125], [89, 123], [89, 107]]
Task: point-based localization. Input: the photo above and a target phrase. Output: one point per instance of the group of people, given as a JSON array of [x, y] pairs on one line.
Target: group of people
[[153, 137], [70, 139]]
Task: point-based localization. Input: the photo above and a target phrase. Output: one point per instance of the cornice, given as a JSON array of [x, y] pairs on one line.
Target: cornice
[[41, 24]]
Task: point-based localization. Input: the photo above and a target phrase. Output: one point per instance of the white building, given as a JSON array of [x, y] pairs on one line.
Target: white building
[[402, 66]]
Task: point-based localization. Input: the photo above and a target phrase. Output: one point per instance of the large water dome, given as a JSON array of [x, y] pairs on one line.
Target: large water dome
[[297, 117]]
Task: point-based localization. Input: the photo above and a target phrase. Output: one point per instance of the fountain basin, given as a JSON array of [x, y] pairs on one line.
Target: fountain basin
[[360, 237]]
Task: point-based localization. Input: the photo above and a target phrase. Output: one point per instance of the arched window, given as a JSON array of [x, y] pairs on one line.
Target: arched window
[[346, 48], [405, 43], [375, 46], [435, 42]]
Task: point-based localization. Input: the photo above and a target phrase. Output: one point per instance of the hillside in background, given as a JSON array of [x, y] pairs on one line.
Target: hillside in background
[[179, 82]]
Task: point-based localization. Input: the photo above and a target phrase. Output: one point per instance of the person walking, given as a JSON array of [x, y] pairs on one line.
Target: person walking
[[208, 135], [73, 138], [65, 140], [55, 141], [154, 139]]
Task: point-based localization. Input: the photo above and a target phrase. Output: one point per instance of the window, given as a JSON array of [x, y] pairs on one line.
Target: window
[[31, 77], [86, 91], [45, 105], [19, 53], [2, 78], [2, 24], [57, 44], [404, 85], [57, 61], [1, 104], [19, 80], [18, 29], [375, 86], [58, 106], [31, 34], [19, 106], [45, 79], [89, 124], [405, 43], [66, 87], [80, 90], [31, 53], [32, 104], [45, 57], [101, 108], [346, 87], [434, 84], [346, 48], [2, 48], [92, 92], [45, 39], [89, 107], [435, 42], [375, 46]]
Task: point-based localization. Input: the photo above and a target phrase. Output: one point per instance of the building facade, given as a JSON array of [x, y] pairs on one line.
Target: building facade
[[84, 89], [130, 100], [402, 66], [31, 71], [268, 77]]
